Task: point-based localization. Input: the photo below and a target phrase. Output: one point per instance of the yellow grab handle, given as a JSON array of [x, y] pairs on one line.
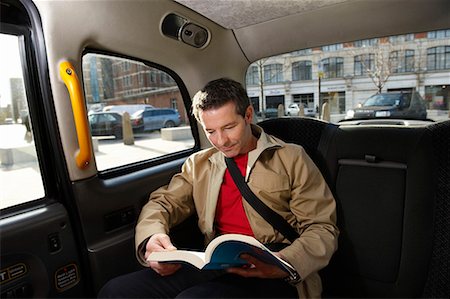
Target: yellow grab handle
[[70, 78]]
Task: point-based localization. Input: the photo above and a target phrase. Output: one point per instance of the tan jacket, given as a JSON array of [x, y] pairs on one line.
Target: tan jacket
[[283, 176]]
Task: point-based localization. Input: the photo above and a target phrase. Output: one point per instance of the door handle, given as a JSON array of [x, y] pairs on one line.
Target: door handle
[[70, 78]]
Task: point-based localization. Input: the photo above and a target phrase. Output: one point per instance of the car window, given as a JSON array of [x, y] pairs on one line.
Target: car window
[[19, 162], [135, 90], [383, 100], [344, 77]]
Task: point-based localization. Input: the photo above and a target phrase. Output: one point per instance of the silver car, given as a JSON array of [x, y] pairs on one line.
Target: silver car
[[155, 119]]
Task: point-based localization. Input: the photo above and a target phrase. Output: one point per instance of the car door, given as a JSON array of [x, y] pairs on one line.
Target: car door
[[40, 247], [149, 117], [72, 229], [107, 122], [95, 124]]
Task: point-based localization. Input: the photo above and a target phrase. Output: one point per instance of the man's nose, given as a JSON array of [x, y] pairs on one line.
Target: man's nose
[[222, 138]]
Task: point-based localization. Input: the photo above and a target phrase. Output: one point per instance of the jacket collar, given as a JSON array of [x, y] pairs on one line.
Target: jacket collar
[[264, 142]]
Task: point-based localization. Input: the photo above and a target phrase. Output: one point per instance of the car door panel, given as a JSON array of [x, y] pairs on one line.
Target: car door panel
[[108, 210], [39, 255], [89, 216]]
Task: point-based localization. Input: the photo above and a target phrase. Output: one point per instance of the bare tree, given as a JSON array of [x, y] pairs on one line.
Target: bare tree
[[378, 64], [260, 65], [264, 76]]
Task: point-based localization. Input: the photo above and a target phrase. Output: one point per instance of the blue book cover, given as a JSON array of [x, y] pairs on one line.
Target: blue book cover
[[223, 252]]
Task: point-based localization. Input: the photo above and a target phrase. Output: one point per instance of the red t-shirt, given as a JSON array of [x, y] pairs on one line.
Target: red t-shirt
[[230, 214]]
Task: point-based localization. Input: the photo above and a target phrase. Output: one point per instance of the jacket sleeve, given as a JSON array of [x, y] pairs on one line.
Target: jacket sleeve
[[166, 207], [314, 207]]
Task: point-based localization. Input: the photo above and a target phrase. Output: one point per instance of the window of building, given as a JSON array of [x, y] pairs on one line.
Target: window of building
[[363, 63], [402, 61], [437, 97], [126, 66], [273, 73], [301, 70], [174, 103], [401, 38], [18, 156], [307, 100], [274, 101], [366, 42], [331, 48], [439, 34], [252, 77], [333, 67], [438, 58], [302, 52], [255, 103], [336, 100], [113, 147]]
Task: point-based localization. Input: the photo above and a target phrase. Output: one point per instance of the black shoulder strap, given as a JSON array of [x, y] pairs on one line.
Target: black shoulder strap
[[278, 222]]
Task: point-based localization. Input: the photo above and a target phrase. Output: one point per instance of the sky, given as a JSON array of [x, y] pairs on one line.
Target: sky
[[10, 66]]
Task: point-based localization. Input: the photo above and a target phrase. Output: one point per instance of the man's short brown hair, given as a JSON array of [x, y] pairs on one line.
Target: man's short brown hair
[[219, 92]]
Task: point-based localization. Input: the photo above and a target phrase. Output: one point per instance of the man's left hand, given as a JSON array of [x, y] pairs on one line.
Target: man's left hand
[[258, 269]]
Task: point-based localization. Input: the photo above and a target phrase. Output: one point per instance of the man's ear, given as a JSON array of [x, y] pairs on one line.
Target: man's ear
[[249, 115]]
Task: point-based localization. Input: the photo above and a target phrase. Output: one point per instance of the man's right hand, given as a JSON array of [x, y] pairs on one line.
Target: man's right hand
[[161, 242]]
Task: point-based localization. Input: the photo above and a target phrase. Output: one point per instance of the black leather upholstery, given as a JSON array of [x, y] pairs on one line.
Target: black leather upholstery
[[392, 191]]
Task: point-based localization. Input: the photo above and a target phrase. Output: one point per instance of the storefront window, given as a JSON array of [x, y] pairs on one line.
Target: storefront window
[[437, 97]]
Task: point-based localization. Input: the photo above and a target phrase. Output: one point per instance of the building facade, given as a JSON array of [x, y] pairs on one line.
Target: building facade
[[346, 74]]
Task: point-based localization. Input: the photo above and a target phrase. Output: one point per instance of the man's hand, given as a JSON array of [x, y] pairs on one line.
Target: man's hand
[[161, 242], [258, 269]]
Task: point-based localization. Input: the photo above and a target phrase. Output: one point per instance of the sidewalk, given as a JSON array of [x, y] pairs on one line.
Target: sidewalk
[[111, 155]]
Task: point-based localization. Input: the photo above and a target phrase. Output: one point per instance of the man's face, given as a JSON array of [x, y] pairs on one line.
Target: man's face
[[228, 131]]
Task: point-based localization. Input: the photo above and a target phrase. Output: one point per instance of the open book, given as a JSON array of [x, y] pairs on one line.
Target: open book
[[223, 252]]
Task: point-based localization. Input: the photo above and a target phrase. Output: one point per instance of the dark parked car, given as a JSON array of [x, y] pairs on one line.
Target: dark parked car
[[155, 119], [268, 113], [407, 105], [106, 124]]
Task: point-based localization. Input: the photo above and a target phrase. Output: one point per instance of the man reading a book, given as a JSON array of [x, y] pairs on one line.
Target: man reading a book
[[281, 175]]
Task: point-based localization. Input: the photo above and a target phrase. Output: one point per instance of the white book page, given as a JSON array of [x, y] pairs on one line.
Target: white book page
[[195, 258]]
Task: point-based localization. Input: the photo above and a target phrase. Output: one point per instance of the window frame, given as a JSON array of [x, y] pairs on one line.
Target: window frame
[[333, 67], [439, 56], [302, 70], [38, 97], [358, 65], [273, 73], [140, 165]]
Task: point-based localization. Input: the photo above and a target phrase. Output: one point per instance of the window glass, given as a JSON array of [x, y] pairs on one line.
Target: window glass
[[344, 76], [301, 70], [19, 164], [438, 58], [363, 64], [273, 73], [120, 91]]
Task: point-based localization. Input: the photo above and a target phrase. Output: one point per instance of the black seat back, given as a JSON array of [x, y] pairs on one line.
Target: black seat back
[[314, 135], [438, 284], [392, 205], [385, 194]]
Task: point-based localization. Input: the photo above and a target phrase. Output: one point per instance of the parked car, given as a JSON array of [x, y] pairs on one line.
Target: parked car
[[268, 113], [407, 105], [155, 119], [106, 124], [294, 110], [131, 109], [8, 121]]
